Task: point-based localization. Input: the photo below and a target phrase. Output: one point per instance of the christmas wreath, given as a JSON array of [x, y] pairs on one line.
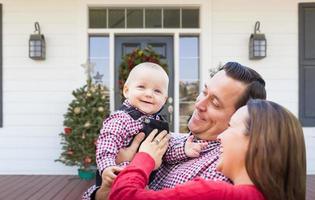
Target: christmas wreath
[[136, 57]]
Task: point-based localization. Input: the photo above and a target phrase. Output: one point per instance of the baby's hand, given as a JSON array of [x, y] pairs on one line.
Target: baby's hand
[[193, 149], [109, 175]]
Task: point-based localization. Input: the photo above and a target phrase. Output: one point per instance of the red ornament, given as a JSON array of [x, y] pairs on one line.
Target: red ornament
[[68, 130], [69, 152], [87, 160]]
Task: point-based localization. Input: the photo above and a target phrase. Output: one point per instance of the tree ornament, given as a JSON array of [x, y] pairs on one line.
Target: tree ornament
[[98, 77], [77, 110], [87, 124], [67, 130], [87, 160], [70, 152], [92, 89], [100, 109]]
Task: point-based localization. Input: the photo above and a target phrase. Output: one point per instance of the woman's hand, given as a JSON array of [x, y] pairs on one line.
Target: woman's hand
[[155, 146], [127, 154]]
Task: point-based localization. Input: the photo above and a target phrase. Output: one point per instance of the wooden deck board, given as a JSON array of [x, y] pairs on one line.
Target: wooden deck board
[[18, 185], [51, 187], [28, 186]]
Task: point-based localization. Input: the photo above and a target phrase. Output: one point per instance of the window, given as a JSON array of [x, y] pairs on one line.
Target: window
[[143, 18], [99, 56], [188, 78]]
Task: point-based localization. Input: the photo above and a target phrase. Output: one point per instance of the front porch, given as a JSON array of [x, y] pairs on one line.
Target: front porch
[[42, 187], [59, 187]]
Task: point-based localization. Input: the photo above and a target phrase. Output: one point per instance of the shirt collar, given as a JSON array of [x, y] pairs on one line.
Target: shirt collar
[[126, 103]]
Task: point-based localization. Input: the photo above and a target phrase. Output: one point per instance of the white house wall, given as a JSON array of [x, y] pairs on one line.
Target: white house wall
[[36, 93]]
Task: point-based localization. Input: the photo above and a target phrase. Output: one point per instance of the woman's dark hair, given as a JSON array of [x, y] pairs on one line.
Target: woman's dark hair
[[275, 160], [255, 83]]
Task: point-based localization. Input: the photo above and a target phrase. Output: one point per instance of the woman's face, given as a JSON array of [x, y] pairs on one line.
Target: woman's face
[[234, 144]]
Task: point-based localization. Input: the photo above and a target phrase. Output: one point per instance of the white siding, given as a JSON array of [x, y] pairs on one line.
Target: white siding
[[36, 93]]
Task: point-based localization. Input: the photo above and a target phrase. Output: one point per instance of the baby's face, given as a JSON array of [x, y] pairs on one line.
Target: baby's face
[[147, 91]]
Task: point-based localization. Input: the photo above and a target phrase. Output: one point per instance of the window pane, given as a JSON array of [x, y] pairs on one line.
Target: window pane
[[153, 18], [190, 18], [188, 78], [134, 18], [97, 18], [171, 18], [116, 18], [189, 69], [189, 47], [99, 55]]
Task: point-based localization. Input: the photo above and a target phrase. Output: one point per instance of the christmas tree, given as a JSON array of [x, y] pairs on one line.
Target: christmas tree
[[82, 124]]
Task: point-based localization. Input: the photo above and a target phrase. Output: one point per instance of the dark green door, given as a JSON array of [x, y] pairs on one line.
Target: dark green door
[[163, 45]]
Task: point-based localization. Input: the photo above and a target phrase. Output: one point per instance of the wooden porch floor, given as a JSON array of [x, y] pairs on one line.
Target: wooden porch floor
[[47, 187]]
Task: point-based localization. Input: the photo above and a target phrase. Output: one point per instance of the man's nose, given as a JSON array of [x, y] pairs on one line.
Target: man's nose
[[201, 103]]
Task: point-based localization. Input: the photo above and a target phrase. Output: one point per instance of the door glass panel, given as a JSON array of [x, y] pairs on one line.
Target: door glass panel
[[99, 56], [128, 48], [134, 18], [116, 18], [159, 49], [153, 18], [188, 78], [171, 18], [190, 18], [97, 18]]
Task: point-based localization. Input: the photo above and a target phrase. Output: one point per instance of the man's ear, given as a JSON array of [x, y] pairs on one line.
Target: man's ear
[[125, 91]]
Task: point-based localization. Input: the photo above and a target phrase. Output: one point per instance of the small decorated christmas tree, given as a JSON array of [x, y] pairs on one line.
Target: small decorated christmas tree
[[82, 124]]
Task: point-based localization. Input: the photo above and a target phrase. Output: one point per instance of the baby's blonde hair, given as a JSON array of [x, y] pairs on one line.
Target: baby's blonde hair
[[147, 65]]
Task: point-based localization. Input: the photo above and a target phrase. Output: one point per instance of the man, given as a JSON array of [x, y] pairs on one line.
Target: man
[[230, 88]]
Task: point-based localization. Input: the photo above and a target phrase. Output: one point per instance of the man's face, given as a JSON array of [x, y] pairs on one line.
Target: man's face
[[215, 106]]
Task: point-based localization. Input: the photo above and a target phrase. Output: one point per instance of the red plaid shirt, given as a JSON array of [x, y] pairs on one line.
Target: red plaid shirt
[[204, 166], [117, 132]]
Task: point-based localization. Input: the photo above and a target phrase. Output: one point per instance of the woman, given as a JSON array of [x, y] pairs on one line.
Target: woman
[[263, 153]]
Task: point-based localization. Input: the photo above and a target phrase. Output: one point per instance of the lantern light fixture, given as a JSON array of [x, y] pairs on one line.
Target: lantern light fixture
[[257, 44], [37, 44]]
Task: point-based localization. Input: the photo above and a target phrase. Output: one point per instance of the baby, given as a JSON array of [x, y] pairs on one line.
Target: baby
[[145, 91]]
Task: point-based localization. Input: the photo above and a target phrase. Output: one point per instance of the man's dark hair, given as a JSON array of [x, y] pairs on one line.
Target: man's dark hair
[[255, 83]]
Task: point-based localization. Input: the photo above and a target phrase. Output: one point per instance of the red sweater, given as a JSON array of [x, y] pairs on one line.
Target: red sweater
[[130, 184]]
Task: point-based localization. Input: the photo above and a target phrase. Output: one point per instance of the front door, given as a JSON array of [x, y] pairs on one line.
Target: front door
[[162, 45]]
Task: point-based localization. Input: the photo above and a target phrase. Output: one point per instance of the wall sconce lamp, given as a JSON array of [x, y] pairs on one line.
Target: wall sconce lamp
[[37, 45], [257, 44]]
